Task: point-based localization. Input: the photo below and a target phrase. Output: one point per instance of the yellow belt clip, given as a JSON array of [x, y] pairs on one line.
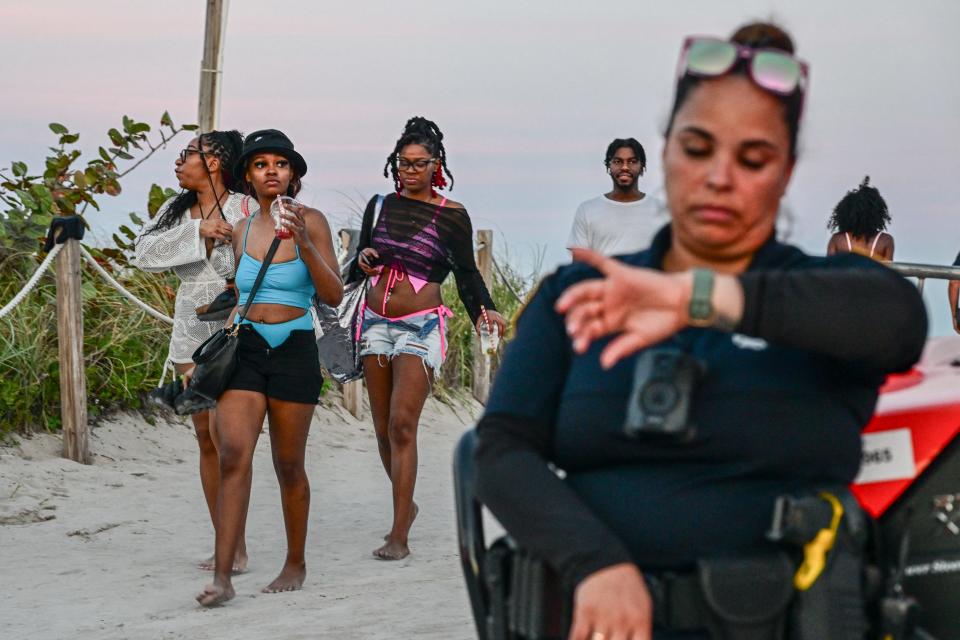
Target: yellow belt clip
[[815, 551]]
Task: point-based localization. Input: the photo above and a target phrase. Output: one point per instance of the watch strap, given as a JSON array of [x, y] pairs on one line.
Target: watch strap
[[700, 310]]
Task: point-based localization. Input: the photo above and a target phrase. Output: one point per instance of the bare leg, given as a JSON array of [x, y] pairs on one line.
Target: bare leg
[[240, 417], [205, 426], [209, 464], [289, 426], [411, 386], [209, 470], [379, 381]]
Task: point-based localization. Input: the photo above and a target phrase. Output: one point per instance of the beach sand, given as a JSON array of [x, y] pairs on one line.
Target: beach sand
[[109, 550]]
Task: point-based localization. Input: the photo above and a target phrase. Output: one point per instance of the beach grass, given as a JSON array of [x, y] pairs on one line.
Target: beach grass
[[124, 348]]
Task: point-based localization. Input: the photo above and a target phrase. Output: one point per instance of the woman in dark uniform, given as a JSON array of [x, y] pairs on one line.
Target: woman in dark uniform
[[794, 347]]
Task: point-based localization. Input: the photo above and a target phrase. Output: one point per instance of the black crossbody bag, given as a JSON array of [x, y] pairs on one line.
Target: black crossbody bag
[[216, 358]]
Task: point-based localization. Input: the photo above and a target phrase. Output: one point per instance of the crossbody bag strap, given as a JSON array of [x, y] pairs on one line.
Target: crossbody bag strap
[[377, 208], [376, 216], [376, 213], [260, 274]]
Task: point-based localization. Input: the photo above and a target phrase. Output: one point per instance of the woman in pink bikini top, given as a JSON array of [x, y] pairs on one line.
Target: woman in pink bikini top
[[859, 222], [410, 241]]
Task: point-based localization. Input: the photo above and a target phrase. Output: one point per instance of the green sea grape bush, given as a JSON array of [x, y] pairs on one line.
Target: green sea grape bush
[[124, 348]]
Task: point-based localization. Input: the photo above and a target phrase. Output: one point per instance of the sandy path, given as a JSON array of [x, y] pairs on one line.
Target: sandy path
[[117, 558]]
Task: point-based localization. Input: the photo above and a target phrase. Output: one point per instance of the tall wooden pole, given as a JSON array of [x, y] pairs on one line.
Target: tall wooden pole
[[73, 383], [211, 69], [481, 361]]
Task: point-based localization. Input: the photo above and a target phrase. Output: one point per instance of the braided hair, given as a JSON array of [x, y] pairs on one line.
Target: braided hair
[[862, 212], [426, 133], [227, 146]]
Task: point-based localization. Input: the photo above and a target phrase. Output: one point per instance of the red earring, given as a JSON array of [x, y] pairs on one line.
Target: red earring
[[438, 180]]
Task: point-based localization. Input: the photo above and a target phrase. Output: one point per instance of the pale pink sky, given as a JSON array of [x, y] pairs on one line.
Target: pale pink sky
[[528, 95]]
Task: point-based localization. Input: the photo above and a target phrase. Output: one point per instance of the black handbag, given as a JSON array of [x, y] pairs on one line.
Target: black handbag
[[216, 358], [220, 307]]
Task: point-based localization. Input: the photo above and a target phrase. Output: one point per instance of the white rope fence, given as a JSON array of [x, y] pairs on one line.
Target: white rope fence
[[35, 278], [73, 390], [119, 287], [27, 288]]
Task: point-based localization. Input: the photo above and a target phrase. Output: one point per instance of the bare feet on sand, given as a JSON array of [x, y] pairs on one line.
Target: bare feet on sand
[[215, 594], [239, 563], [290, 579], [393, 550], [414, 510]]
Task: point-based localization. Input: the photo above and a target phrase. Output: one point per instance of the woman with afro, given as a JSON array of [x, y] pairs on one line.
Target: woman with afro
[[859, 223]]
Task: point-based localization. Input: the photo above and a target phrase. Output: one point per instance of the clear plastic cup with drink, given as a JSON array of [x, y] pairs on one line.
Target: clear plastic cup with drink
[[283, 207], [489, 339]]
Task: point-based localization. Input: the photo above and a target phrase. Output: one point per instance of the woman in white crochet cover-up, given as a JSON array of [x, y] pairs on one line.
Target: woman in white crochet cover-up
[[191, 237]]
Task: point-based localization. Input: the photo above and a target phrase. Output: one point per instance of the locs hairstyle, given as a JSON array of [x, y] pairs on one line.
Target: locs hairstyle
[[862, 212], [756, 35], [419, 130], [226, 145], [630, 143]]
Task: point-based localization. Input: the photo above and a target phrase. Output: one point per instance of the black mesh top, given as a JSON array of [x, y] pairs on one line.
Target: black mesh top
[[425, 241]]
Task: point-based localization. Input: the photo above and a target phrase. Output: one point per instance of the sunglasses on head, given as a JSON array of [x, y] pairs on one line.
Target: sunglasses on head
[[771, 69]]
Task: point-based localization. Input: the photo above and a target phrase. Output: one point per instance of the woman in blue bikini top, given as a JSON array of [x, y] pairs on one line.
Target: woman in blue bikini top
[[302, 265], [279, 375], [287, 283]]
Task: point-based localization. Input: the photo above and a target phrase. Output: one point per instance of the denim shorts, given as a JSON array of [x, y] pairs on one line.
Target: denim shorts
[[418, 335]]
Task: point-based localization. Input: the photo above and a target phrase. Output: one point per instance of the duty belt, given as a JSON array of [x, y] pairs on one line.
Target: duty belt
[[741, 598]]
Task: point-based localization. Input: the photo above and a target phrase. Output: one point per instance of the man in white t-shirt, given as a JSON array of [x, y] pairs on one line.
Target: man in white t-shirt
[[625, 219]]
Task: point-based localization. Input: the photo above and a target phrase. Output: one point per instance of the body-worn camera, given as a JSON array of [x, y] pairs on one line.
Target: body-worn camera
[[663, 384]]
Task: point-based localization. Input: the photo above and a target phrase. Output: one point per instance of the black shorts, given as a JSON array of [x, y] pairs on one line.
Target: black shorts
[[291, 372]]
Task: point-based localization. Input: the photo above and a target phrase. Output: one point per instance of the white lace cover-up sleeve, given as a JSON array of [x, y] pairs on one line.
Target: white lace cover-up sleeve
[[171, 248], [221, 258]]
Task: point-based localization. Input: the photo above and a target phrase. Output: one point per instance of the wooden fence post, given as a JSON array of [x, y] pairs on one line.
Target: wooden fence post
[[73, 383], [481, 361], [353, 398]]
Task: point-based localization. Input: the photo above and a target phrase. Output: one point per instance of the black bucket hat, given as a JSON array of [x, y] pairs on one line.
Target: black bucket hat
[[269, 141]]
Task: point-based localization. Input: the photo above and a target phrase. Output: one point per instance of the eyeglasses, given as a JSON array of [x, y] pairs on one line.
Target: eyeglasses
[[619, 162], [185, 152], [771, 69], [416, 165]]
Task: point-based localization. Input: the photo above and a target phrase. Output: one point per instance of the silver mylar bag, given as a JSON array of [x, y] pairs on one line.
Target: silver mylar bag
[[336, 331]]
